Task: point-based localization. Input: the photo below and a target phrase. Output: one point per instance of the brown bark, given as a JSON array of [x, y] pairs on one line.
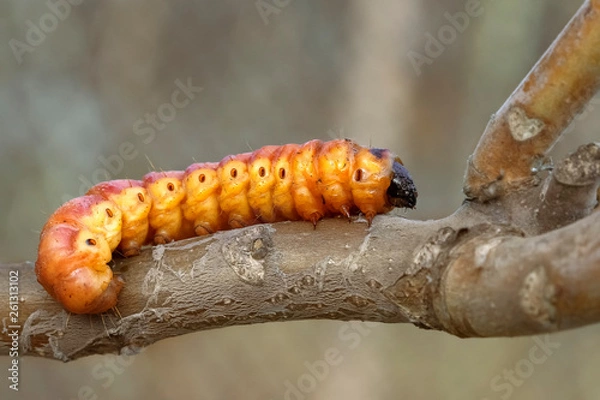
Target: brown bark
[[517, 139], [521, 256]]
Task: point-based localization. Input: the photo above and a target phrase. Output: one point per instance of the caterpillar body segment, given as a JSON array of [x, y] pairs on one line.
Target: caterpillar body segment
[[233, 197], [274, 183], [309, 202], [263, 178], [283, 199], [132, 198], [334, 163], [369, 179], [201, 205], [166, 214]]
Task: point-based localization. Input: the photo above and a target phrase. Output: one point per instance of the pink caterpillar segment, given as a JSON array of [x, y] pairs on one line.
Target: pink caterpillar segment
[[274, 183]]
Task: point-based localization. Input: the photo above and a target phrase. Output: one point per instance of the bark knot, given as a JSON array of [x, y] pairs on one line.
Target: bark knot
[[521, 126], [537, 297], [245, 252]]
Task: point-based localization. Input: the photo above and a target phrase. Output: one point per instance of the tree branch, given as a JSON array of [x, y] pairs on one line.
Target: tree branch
[[521, 256], [515, 142], [570, 192], [502, 285]]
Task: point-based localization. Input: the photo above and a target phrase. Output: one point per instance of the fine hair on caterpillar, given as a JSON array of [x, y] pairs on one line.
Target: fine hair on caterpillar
[[274, 183]]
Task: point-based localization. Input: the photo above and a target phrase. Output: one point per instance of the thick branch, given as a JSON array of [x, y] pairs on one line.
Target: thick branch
[[518, 137], [494, 282], [499, 285], [263, 273]]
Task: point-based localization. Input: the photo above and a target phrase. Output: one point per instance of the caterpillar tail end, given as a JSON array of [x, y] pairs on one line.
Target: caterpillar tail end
[[88, 304], [72, 267]]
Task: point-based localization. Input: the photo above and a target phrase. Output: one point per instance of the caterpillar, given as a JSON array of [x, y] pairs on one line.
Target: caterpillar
[[274, 183]]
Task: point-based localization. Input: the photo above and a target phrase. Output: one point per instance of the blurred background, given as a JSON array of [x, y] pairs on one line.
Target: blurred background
[[93, 90]]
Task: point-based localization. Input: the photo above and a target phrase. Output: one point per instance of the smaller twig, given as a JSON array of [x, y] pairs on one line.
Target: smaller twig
[[570, 192], [532, 119]]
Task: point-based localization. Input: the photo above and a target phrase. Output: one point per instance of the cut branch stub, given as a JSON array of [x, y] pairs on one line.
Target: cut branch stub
[[570, 192], [521, 133], [581, 168]]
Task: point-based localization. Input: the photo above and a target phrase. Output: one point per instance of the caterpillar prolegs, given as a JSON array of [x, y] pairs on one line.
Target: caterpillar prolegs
[[274, 183]]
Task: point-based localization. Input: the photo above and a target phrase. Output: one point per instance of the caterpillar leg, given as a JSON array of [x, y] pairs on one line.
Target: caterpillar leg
[[237, 221], [131, 251], [345, 211], [315, 218], [369, 215], [161, 238], [202, 229]]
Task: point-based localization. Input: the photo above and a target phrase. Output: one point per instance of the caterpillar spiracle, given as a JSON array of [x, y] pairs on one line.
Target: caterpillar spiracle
[[274, 183]]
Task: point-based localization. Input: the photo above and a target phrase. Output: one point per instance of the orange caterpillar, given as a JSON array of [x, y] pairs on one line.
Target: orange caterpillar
[[274, 183]]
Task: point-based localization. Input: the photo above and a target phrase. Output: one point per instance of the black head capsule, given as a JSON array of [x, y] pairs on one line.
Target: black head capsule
[[402, 191]]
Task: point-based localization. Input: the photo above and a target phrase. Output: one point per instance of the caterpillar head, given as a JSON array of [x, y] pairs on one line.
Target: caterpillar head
[[402, 191]]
